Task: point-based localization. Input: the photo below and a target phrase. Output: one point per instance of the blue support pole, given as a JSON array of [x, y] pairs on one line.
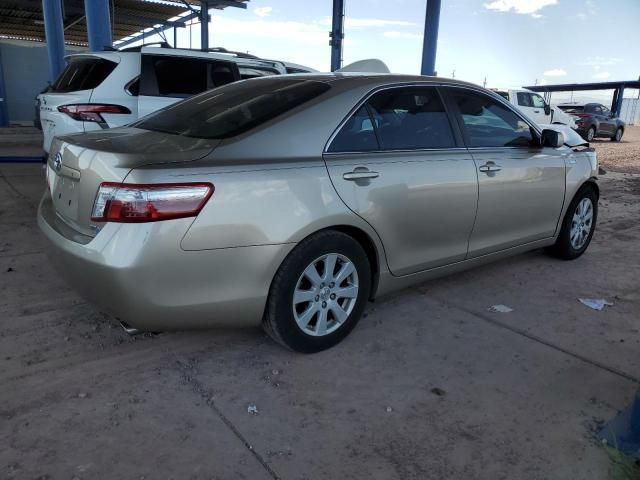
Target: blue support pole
[[337, 34], [4, 113], [204, 25], [430, 38], [54, 34], [98, 24], [616, 107]]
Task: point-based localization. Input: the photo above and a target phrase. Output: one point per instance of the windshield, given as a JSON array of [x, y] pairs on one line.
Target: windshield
[[232, 109]]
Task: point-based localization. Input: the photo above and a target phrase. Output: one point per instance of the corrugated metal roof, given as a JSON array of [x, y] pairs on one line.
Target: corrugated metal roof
[[22, 19]]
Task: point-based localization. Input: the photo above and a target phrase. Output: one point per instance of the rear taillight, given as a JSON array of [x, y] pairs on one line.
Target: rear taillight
[[91, 112], [131, 203]]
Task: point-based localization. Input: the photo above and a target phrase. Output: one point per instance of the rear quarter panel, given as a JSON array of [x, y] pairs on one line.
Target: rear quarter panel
[[258, 205]]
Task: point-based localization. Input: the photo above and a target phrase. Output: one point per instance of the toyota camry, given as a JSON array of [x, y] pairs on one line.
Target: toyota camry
[[291, 201]]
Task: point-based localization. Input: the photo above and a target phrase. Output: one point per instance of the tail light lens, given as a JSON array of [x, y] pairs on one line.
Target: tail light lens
[[134, 203], [91, 112]]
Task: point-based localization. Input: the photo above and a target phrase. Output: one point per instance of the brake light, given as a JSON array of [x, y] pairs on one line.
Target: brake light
[[91, 112], [134, 203]]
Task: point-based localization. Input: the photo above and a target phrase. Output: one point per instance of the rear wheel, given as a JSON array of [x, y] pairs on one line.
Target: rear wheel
[[617, 136], [591, 134], [578, 225], [318, 293]]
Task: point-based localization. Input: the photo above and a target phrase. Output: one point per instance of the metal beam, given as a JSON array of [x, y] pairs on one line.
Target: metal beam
[[151, 32], [430, 38], [4, 112], [54, 34], [204, 25], [336, 36], [98, 24]]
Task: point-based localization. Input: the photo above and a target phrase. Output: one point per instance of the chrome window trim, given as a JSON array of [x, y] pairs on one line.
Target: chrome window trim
[[406, 150], [381, 88]]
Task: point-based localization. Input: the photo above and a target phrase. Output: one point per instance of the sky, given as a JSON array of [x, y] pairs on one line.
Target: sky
[[506, 42]]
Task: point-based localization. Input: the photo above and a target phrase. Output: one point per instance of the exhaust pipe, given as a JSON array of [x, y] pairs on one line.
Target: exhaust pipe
[[129, 329]]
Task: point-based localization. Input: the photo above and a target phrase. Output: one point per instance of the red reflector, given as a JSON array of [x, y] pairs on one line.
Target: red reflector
[[133, 203]]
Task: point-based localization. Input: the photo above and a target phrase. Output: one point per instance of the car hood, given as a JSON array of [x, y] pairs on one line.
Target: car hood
[[135, 147]]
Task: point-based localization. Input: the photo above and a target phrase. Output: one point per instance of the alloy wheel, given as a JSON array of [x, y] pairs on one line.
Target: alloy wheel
[[325, 294], [591, 133], [581, 223]]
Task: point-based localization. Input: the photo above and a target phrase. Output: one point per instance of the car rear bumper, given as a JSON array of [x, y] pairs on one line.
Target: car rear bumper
[[139, 274]]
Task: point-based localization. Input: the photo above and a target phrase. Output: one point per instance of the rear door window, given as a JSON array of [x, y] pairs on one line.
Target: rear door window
[[407, 118], [233, 109], [524, 99], [181, 77], [83, 74], [411, 118], [488, 123], [356, 135]]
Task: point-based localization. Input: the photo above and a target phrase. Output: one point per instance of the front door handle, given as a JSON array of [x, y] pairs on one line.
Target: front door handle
[[360, 175], [490, 167]]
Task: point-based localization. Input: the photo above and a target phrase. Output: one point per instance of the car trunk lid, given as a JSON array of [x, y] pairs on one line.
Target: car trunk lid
[[78, 164]]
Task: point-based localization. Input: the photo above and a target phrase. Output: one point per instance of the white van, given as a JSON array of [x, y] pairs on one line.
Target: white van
[[534, 107], [100, 90]]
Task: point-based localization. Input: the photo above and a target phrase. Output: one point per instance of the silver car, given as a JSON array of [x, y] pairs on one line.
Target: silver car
[[291, 201]]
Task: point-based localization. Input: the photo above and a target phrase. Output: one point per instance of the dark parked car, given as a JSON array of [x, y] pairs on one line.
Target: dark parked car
[[595, 120]]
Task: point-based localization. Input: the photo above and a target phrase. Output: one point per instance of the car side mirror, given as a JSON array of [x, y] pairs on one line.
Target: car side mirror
[[547, 109], [552, 138]]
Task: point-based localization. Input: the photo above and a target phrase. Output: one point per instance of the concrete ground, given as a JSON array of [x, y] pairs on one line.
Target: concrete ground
[[430, 385]]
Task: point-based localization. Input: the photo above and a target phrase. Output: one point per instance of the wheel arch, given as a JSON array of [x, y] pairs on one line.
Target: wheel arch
[[590, 183], [369, 247], [364, 239]]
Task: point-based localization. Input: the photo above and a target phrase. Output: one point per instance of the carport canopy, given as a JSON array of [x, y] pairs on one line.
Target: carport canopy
[[618, 88], [24, 19]]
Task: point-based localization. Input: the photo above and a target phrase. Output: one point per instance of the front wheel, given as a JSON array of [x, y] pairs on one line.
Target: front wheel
[[591, 134], [578, 225], [318, 293], [618, 135]]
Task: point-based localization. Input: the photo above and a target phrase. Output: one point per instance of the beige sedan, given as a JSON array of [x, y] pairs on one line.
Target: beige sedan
[[292, 201]]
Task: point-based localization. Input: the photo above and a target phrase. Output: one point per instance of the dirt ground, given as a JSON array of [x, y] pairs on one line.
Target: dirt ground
[[430, 385], [623, 156]]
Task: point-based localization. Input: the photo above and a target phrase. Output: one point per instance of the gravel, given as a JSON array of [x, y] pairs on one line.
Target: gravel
[[623, 156]]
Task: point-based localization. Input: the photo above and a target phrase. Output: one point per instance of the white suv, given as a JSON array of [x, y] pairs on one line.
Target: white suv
[[108, 89]]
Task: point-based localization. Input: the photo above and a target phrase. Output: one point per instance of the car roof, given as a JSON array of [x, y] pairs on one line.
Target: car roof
[[374, 78]]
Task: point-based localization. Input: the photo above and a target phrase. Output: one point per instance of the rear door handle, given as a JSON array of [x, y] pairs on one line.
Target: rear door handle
[[360, 175], [490, 167]]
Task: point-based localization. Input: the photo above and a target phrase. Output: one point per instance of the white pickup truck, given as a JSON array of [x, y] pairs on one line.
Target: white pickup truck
[[534, 106]]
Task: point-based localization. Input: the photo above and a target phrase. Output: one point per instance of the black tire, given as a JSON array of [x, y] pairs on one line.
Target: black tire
[[618, 135], [279, 321], [591, 134], [563, 248]]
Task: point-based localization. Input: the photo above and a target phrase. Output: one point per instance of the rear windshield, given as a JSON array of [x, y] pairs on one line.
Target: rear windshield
[[83, 74], [572, 108], [232, 109]]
